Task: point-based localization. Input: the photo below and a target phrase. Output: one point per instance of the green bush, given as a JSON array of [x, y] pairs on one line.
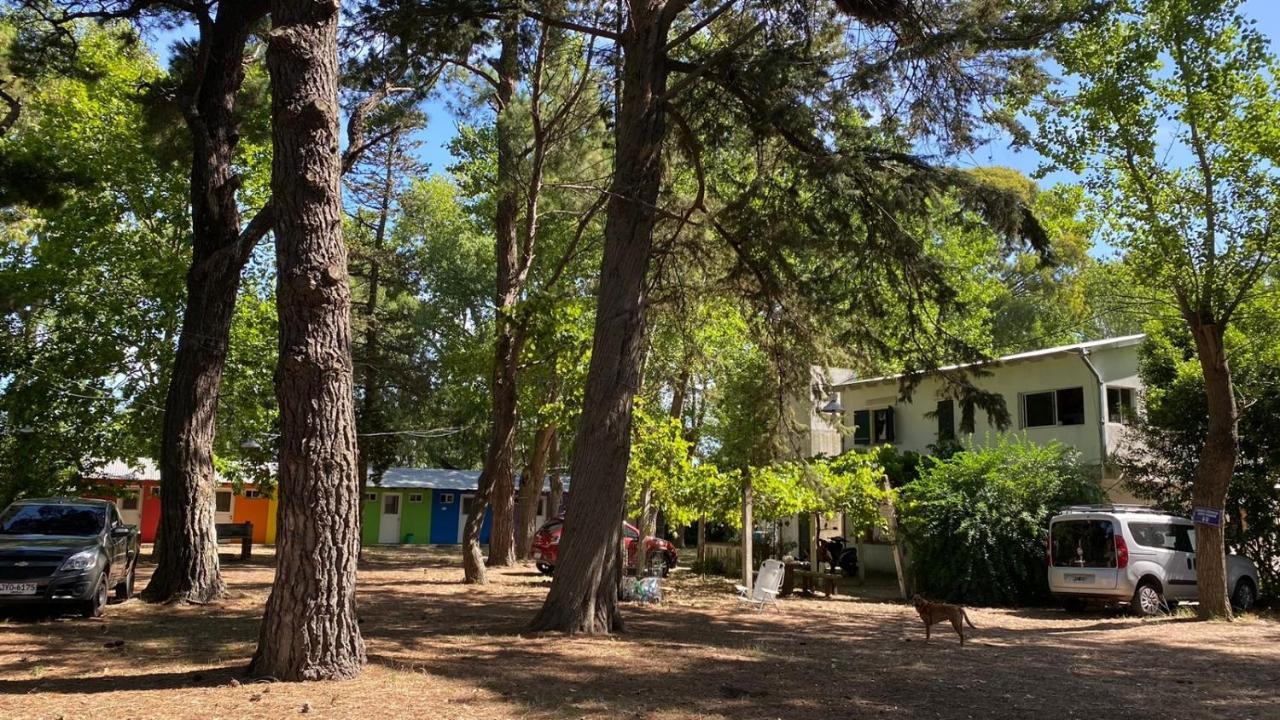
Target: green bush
[[975, 523]]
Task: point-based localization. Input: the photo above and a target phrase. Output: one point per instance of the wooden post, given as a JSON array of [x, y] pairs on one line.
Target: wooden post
[[816, 529], [702, 539], [897, 546], [746, 534]]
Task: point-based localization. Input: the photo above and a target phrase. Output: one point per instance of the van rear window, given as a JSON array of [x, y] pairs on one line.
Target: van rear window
[[1084, 543]]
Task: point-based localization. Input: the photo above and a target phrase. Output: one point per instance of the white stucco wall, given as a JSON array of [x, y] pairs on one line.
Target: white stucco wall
[[914, 431]]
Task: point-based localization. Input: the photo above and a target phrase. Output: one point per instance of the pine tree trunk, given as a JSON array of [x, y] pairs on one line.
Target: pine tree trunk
[[583, 596], [1214, 470], [497, 481], [309, 630], [187, 544], [531, 489], [186, 549]]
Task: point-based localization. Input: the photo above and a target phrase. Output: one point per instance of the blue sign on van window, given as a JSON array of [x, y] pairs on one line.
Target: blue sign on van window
[[1207, 516]]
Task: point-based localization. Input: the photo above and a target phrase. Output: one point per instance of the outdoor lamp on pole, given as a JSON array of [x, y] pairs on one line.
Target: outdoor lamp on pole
[[833, 407]]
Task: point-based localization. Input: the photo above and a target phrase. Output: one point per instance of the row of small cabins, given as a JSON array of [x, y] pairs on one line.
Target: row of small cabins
[[415, 506], [1083, 395]]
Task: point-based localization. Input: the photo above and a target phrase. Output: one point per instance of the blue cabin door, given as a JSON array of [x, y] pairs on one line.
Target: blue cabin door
[[445, 515]]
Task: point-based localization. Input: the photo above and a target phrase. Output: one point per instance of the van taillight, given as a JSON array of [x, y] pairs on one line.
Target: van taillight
[[1048, 550], [1122, 553]]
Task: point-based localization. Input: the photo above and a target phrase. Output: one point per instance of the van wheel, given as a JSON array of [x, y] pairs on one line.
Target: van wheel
[[1147, 599], [545, 569], [1244, 595]]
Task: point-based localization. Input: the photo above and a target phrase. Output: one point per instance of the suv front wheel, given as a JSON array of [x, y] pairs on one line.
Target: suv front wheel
[[1147, 599]]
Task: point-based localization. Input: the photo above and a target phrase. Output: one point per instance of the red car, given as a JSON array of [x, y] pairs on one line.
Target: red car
[[546, 542]]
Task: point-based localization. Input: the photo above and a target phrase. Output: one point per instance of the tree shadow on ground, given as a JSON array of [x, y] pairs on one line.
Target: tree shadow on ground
[[699, 655], [727, 662]]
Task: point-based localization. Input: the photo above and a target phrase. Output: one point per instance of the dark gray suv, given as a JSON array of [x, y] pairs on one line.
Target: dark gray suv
[[66, 552]]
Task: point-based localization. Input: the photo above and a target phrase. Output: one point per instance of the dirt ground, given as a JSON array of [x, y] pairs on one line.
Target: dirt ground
[[438, 649]]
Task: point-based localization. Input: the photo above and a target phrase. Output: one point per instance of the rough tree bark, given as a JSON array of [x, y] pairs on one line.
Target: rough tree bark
[[531, 489], [309, 630], [1215, 467], [497, 481], [186, 548], [583, 596]]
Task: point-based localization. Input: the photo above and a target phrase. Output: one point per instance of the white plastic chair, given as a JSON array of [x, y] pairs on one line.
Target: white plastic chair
[[765, 590]]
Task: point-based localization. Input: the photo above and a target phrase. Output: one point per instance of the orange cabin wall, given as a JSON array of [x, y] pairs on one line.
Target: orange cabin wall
[[254, 510]]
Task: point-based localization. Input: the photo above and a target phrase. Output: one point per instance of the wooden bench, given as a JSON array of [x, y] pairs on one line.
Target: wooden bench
[[237, 531], [811, 580]]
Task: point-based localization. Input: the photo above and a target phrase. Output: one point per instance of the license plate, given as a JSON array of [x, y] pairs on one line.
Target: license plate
[[17, 588], [1080, 578], [537, 554]]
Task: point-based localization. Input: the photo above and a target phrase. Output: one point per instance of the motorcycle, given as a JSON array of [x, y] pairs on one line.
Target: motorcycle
[[836, 555]]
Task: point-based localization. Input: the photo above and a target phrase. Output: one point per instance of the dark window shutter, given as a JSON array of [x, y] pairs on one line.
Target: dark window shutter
[[946, 414], [862, 427]]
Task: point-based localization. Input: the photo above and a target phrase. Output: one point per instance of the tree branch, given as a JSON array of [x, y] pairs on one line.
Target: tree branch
[[710, 18]]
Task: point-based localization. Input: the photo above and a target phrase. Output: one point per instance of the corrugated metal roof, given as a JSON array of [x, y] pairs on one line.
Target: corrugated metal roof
[[441, 479], [430, 479], [139, 469]]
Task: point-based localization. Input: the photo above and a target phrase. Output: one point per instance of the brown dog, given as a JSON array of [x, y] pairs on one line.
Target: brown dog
[[934, 613]]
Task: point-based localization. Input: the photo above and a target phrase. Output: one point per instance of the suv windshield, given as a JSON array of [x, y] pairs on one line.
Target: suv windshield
[[82, 520], [1084, 543]]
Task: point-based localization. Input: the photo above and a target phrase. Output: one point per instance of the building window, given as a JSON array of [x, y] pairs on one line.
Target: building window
[[252, 494], [1120, 406], [371, 497], [222, 501], [1055, 407], [415, 497], [1070, 406], [882, 424], [946, 416], [446, 498], [861, 427], [129, 501], [155, 491]]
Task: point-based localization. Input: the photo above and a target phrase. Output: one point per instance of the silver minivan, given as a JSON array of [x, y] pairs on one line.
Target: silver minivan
[[1136, 555]]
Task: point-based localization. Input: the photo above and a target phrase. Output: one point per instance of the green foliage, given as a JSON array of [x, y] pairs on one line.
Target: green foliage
[[247, 409], [975, 523], [91, 287], [850, 483], [1160, 462], [901, 466], [684, 491], [1172, 116]]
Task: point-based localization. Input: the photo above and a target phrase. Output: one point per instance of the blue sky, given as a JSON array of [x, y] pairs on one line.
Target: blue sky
[[997, 152], [443, 126]]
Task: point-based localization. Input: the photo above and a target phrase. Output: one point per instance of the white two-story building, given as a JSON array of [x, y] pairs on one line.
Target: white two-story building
[[1084, 395]]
